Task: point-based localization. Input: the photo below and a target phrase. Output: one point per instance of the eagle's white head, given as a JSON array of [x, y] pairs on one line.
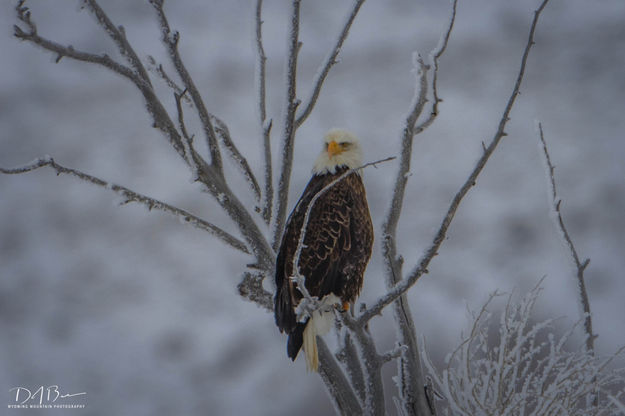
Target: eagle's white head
[[340, 148]]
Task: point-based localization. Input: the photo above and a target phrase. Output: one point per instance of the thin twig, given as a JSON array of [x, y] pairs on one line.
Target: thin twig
[[154, 106], [579, 265], [181, 124], [171, 42], [422, 266], [328, 63], [288, 133], [118, 34], [240, 161], [435, 55], [160, 71], [131, 196], [265, 126], [410, 372], [393, 354]]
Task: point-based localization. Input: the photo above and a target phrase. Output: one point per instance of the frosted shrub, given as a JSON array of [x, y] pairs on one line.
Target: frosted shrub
[[522, 368]]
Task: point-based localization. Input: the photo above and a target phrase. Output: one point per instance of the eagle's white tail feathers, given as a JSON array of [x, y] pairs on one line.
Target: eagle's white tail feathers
[[310, 346], [319, 324]]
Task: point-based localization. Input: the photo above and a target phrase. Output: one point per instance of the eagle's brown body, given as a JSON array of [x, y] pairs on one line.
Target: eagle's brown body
[[335, 253]]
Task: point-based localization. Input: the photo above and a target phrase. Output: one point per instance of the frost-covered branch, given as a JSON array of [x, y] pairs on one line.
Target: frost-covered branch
[[118, 35], [328, 63], [422, 267], [157, 111], [410, 377], [219, 127], [288, 133], [158, 69], [618, 404], [181, 124], [265, 125], [372, 363], [348, 355], [131, 196], [579, 265], [240, 161], [434, 57], [342, 394], [170, 40], [527, 371], [211, 176], [251, 287]]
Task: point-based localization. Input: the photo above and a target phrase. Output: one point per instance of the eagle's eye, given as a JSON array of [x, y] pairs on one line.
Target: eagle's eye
[[344, 145]]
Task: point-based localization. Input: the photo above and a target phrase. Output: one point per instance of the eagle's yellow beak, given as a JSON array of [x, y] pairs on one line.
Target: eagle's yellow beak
[[334, 148]]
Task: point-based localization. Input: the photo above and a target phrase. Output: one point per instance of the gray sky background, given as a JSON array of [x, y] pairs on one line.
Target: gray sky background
[[141, 312]]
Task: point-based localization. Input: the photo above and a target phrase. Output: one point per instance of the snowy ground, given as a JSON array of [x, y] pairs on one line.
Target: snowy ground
[[141, 312]]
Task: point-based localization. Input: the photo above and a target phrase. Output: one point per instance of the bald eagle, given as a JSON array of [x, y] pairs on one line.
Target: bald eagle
[[336, 248]]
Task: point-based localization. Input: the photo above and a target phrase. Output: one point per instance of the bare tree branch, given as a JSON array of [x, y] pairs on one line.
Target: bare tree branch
[[265, 125], [373, 403], [328, 63], [348, 355], [288, 133], [219, 127], [339, 389], [410, 372], [393, 354], [160, 71], [240, 161], [118, 34], [251, 287], [423, 264], [181, 125], [155, 108], [131, 196], [171, 42], [435, 55], [579, 265]]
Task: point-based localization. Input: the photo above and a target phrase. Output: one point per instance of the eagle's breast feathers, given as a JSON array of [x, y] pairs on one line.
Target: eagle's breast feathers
[[335, 251]]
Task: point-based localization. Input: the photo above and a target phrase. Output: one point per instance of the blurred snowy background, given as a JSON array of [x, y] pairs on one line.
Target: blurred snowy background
[[142, 313]]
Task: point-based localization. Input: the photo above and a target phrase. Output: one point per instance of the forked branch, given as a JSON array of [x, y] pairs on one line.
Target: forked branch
[[330, 60], [161, 119], [410, 379], [422, 267], [170, 41], [118, 35]]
